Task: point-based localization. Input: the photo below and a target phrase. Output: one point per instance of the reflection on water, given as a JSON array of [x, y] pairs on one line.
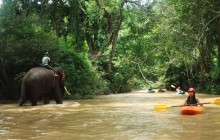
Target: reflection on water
[[122, 116]]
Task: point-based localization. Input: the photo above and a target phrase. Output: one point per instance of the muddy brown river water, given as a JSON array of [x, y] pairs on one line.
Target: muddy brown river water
[[111, 117]]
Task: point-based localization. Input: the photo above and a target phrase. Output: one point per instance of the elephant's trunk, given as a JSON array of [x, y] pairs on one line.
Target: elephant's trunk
[[66, 90]]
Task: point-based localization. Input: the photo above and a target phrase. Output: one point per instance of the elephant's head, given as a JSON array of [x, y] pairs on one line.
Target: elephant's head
[[60, 78]]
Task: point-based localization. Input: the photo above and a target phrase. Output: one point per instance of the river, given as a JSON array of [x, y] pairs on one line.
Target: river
[[111, 117]]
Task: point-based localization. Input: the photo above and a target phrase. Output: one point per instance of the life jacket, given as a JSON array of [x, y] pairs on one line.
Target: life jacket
[[192, 101]]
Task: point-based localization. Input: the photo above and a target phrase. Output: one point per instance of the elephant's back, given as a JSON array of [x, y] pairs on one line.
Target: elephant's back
[[38, 73], [39, 69]]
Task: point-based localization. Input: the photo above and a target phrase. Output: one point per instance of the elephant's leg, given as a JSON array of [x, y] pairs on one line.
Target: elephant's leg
[[33, 102], [34, 97], [57, 91], [46, 99], [58, 99], [22, 101], [57, 96]]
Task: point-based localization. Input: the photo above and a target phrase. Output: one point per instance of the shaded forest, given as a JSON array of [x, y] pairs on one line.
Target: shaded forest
[[112, 46]]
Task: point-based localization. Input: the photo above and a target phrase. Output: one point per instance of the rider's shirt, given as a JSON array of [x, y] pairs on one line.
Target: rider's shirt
[[45, 60]]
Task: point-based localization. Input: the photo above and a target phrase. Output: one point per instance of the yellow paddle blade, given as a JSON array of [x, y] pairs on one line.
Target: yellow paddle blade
[[217, 102], [161, 107], [173, 86]]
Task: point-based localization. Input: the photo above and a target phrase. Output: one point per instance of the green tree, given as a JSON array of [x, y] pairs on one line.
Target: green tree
[[23, 43]]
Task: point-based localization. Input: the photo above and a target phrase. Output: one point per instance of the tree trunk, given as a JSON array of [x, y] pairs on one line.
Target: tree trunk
[[218, 54]]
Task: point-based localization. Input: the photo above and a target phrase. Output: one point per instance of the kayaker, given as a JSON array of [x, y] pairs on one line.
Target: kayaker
[[192, 99], [179, 91], [46, 61]]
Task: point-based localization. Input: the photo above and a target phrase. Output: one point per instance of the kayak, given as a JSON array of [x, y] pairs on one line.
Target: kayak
[[191, 110], [180, 92]]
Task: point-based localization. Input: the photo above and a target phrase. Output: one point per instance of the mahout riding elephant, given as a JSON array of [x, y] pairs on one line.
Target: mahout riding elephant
[[43, 83]]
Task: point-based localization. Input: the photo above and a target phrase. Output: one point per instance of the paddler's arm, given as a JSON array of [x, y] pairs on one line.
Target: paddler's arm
[[199, 103]]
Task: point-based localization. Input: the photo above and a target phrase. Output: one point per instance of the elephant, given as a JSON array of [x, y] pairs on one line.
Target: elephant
[[40, 82]]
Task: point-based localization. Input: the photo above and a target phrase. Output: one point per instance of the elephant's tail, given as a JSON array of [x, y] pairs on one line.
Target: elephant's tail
[[23, 94]]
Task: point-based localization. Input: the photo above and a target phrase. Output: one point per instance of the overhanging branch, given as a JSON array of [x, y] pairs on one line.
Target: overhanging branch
[[206, 26]]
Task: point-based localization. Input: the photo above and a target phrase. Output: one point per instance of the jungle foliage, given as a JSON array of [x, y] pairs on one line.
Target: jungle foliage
[[112, 46]]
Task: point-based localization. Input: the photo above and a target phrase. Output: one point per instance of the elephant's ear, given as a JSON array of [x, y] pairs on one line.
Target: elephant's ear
[[62, 75], [60, 72]]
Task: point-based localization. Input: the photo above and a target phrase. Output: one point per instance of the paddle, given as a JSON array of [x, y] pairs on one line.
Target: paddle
[[162, 107], [216, 102]]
